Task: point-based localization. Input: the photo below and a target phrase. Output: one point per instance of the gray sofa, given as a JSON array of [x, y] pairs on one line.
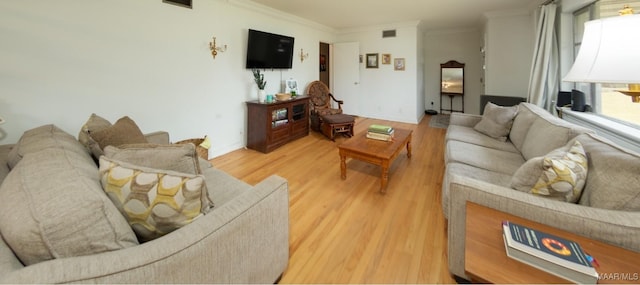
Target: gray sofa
[[482, 169], [242, 239]]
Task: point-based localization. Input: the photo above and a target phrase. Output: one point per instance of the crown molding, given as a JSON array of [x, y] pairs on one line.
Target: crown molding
[[271, 12], [407, 24], [507, 13]]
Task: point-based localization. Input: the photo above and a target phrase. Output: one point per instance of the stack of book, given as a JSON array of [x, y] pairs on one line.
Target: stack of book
[[558, 256], [380, 132]]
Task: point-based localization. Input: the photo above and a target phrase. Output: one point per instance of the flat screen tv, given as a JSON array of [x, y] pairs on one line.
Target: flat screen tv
[[267, 50]]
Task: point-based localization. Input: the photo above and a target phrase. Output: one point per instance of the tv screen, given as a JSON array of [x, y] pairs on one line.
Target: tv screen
[[267, 50]]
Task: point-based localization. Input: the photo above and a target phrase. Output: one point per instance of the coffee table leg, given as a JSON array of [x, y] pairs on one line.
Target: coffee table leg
[[343, 166], [384, 179]]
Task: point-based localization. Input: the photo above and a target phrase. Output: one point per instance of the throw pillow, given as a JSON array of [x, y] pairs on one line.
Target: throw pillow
[[52, 206], [559, 175], [124, 131], [496, 121], [154, 202], [175, 157], [93, 124]]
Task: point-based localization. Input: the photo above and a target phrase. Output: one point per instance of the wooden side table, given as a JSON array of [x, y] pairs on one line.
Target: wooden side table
[[486, 260]]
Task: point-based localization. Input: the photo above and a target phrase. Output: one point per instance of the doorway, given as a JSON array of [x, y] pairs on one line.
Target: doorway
[[324, 64]]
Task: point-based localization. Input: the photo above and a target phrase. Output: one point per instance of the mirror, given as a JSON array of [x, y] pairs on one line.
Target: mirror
[[452, 84], [452, 78]]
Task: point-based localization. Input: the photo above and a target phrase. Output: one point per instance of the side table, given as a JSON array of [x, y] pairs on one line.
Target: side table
[[486, 260]]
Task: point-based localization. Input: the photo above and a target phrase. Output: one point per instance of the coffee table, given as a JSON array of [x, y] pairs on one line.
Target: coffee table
[[381, 153], [486, 260]]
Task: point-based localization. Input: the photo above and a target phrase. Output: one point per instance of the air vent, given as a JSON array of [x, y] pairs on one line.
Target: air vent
[[389, 34]]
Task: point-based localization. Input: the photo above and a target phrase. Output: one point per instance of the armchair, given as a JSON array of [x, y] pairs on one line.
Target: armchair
[[321, 103]]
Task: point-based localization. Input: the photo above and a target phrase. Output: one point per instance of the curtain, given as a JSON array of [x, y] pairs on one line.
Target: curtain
[[544, 78]]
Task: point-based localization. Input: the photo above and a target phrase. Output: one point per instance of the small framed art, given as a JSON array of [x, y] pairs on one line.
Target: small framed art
[[372, 60], [398, 64], [386, 58]]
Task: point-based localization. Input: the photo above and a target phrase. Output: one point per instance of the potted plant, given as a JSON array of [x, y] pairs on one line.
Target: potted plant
[[259, 79]]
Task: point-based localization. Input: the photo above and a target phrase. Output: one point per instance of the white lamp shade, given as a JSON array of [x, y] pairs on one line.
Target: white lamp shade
[[610, 52]]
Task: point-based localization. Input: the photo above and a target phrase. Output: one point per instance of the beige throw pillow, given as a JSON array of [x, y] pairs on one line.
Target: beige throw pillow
[[496, 121], [154, 202], [559, 175], [175, 157], [124, 131], [93, 124]]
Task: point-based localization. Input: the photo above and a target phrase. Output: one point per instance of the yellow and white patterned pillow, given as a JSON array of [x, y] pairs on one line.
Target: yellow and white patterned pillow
[[154, 202], [564, 177]]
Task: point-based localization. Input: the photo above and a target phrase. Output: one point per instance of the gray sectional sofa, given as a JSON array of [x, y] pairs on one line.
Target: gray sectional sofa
[[485, 170], [58, 226]]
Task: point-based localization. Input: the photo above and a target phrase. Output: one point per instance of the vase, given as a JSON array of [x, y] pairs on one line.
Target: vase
[[261, 95]]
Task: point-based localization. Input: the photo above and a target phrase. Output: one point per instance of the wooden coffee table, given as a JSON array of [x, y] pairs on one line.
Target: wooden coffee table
[[377, 152], [486, 260]]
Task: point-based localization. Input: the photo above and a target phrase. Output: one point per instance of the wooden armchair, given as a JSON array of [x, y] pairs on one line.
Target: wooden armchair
[[320, 101]]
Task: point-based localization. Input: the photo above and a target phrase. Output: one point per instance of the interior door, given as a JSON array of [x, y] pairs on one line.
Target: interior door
[[346, 75]]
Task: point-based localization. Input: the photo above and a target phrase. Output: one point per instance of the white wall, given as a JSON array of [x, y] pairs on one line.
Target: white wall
[[509, 41], [384, 92], [459, 45], [63, 60]]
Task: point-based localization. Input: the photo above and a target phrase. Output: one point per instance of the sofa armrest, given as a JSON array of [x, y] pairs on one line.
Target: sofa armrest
[[246, 240], [159, 137], [466, 120], [613, 227]]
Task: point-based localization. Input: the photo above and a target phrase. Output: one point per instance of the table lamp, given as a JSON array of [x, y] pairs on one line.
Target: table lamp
[[610, 53]]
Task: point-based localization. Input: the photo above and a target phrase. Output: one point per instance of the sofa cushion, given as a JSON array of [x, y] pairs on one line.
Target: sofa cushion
[[522, 122], [36, 139], [472, 172], [468, 134], [52, 206], [496, 121], [154, 201], [612, 182], [559, 175], [547, 133], [124, 131], [483, 157], [175, 157], [93, 124]]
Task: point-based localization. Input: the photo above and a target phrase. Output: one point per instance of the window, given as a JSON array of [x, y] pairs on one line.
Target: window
[[609, 103]]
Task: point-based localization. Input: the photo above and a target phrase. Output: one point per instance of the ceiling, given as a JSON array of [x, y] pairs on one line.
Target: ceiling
[[434, 14]]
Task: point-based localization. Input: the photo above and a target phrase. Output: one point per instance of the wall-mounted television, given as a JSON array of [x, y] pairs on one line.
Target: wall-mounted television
[[268, 50]]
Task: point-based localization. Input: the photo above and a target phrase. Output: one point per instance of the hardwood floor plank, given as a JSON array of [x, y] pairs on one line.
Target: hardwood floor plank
[[346, 231]]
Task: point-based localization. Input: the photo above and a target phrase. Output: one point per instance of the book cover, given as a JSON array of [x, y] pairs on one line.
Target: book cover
[[380, 129], [551, 253]]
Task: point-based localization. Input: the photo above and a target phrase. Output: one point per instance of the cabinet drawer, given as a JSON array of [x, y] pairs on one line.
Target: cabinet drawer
[[278, 134]]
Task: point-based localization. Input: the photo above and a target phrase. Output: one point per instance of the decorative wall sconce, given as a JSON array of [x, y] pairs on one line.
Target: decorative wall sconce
[[215, 49], [303, 55]]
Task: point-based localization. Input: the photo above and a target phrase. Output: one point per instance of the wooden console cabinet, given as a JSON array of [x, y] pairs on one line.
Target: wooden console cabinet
[[271, 125]]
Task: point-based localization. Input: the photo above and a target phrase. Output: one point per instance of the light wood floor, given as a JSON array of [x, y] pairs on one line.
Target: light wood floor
[[345, 231]]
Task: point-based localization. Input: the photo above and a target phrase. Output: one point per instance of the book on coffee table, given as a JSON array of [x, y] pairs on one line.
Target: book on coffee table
[[380, 129], [556, 255]]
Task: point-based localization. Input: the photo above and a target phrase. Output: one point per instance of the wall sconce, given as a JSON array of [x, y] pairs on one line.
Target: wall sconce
[[303, 55], [215, 49]]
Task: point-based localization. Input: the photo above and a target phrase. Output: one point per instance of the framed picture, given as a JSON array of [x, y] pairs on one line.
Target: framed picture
[[323, 62], [398, 64], [372, 60], [291, 85], [386, 58], [183, 3]]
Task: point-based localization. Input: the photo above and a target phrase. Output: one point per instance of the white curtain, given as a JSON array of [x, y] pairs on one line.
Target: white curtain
[[544, 78]]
